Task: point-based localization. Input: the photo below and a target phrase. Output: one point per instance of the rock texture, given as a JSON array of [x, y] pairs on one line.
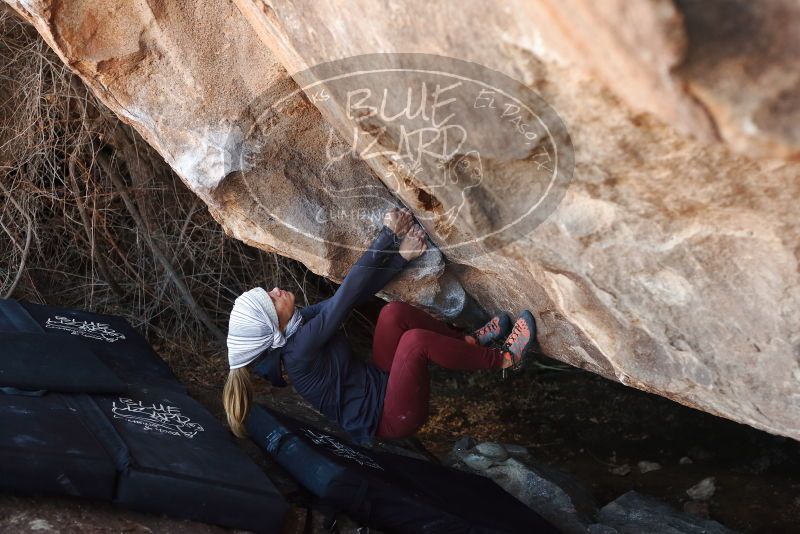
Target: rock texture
[[193, 79], [715, 69], [552, 494], [565, 503], [670, 264], [633, 513]]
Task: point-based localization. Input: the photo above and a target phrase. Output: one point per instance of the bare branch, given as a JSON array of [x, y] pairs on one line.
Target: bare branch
[[28, 236], [87, 225], [177, 280]]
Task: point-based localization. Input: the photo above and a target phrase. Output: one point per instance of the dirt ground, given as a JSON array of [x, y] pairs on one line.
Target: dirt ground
[[590, 427]]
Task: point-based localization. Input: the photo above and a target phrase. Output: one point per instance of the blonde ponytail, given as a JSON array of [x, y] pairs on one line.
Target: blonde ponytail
[[237, 397]]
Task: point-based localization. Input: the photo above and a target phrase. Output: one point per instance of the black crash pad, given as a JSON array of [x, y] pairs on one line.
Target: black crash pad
[[112, 339], [46, 447], [387, 491], [180, 459], [37, 361], [150, 447]]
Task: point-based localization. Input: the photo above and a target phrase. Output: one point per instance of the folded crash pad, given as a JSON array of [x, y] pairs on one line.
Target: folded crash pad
[[112, 339], [47, 447], [147, 445], [53, 363], [387, 491], [179, 460]]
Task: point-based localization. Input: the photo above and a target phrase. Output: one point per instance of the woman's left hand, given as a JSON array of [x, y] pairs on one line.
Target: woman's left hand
[[398, 221], [413, 244]]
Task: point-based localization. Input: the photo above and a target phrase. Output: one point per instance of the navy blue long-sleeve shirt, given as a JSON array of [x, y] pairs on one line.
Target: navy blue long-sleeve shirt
[[318, 358]]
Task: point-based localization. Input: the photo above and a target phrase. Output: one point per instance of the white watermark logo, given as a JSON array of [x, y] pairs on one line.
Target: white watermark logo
[[480, 158]]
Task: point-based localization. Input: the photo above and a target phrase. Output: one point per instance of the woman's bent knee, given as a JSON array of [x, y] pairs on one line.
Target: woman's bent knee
[[393, 311], [413, 342]]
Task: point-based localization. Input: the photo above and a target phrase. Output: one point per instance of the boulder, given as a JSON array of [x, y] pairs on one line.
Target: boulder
[[633, 513], [666, 261], [194, 80], [566, 503], [551, 493], [714, 69]]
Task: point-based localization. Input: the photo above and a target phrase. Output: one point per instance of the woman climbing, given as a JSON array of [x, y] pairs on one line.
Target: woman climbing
[[387, 397]]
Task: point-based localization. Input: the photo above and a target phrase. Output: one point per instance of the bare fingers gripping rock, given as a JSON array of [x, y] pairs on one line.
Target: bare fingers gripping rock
[[413, 244], [398, 221]]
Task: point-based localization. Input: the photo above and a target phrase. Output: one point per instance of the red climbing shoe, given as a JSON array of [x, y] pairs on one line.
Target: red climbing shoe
[[497, 328], [520, 341]]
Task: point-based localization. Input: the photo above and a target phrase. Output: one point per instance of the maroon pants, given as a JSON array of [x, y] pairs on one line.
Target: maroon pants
[[406, 341]]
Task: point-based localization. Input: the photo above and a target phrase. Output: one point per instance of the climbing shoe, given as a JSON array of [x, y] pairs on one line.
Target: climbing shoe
[[520, 341], [497, 328]]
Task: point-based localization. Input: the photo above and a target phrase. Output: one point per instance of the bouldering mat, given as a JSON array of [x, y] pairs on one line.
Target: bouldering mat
[[46, 447], [53, 363], [112, 339], [386, 491], [147, 446]]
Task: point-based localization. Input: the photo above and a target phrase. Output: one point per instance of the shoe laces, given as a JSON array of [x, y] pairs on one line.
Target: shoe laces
[[491, 326], [518, 330]]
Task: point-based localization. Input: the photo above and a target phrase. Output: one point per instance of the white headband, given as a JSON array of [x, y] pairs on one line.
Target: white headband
[[253, 327]]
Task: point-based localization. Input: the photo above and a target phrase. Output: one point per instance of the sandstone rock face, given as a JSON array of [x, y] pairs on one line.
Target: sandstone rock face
[[671, 262], [193, 79], [714, 69]]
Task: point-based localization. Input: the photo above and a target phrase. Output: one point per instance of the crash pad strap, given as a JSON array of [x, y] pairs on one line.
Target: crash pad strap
[[275, 439]]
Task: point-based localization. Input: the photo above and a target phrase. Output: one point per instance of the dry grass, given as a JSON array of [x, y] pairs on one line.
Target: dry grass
[[68, 239]]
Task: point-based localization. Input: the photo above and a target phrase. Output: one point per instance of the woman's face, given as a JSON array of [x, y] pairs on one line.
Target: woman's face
[[284, 305]]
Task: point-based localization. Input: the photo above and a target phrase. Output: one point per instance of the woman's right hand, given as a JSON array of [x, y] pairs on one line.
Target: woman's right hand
[[398, 221], [413, 244]]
